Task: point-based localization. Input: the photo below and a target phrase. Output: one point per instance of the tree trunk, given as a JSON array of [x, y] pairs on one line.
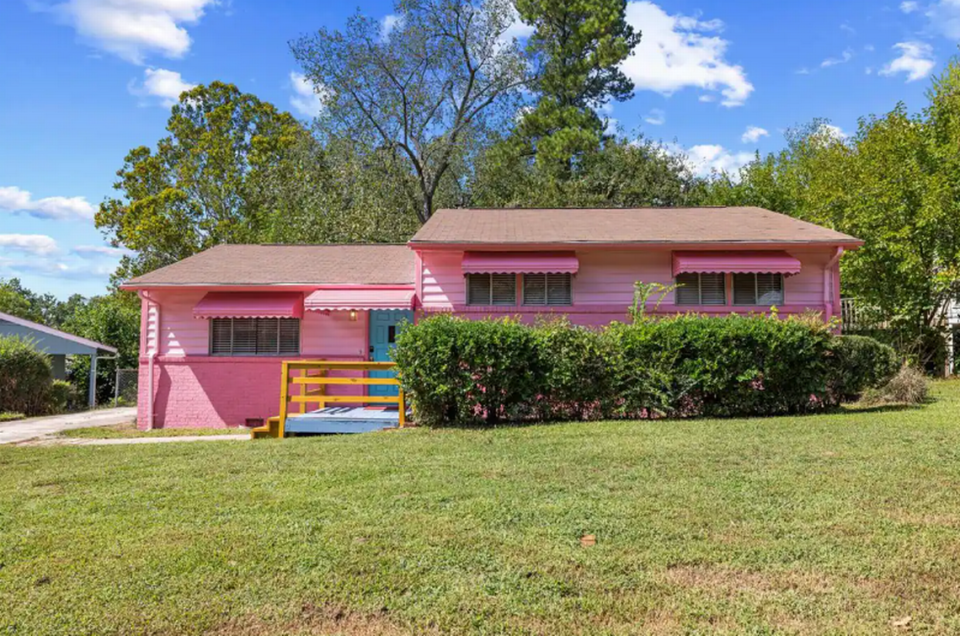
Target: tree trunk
[[427, 211]]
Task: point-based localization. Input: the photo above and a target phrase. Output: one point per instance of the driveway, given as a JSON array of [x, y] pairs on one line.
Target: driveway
[[21, 430]]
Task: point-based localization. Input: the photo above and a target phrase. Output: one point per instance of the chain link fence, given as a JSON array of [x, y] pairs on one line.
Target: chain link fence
[[125, 387]]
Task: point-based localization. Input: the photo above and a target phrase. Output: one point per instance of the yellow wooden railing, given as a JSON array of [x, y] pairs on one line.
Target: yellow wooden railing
[[316, 373]]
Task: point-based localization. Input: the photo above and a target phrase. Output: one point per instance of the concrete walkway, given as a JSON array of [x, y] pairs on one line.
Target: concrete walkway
[[121, 441], [22, 430]]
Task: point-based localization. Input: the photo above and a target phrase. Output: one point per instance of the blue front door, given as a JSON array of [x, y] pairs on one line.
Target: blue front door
[[384, 326]]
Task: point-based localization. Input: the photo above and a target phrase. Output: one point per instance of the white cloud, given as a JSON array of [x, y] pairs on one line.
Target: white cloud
[[163, 84], [55, 268], [909, 7], [753, 134], [94, 251], [656, 117], [305, 100], [37, 244], [849, 30], [916, 60], [389, 23], [944, 16], [13, 199], [679, 51], [518, 29], [833, 131], [834, 61], [708, 158], [131, 29]]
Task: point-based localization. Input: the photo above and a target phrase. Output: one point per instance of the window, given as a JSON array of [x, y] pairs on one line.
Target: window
[[701, 289], [254, 336], [547, 289], [758, 289], [491, 289]]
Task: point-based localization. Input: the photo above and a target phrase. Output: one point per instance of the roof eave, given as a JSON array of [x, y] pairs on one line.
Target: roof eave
[[134, 286], [846, 243]]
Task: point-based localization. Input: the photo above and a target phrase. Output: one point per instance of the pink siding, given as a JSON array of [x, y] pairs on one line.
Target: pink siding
[[321, 334], [603, 287]]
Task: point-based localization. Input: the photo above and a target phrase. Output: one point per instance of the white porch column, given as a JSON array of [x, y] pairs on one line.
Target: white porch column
[[92, 400]]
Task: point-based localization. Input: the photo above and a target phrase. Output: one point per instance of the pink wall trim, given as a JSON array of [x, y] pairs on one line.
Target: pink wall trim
[[664, 309]]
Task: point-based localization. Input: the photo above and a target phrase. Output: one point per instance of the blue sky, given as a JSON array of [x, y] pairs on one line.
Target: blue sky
[[84, 81]]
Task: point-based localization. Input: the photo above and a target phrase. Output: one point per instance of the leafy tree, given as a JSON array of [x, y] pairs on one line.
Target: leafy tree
[[203, 184], [17, 301], [896, 185], [47, 309], [112, 319], [341, 192], [577, 47], [622, 173], [425, 91]]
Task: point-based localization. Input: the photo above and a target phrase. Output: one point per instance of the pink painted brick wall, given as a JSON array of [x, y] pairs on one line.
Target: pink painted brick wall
[[208, 392]]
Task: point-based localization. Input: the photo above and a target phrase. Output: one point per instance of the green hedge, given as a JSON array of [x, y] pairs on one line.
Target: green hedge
[[26, 379], [459, 371]]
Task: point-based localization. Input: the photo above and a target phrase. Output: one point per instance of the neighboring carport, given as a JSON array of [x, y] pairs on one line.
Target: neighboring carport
[[58, 345]]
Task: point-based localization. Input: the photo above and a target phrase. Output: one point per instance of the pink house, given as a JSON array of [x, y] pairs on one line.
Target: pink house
[[216, 326]]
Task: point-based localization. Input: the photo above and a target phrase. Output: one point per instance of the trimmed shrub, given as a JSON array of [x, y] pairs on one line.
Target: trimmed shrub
[[723, 366], [861, 363], [459, 371], [577, 367], [464, 371], [26, 377]]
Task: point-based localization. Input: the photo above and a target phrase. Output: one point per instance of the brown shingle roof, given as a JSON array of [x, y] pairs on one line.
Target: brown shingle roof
[[638, 225], [288, 265]]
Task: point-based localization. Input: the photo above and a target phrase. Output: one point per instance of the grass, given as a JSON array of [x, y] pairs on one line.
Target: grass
[[130, 429], [846, 523]]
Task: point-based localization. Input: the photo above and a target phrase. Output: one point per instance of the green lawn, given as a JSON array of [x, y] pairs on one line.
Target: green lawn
[[844, 523], [130, 430]]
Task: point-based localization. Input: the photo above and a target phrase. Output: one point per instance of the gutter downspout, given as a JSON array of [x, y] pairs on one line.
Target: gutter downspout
[[830, 295], [151, 355]]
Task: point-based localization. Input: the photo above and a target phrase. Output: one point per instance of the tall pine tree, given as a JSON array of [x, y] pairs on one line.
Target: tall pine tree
[[577, 48]]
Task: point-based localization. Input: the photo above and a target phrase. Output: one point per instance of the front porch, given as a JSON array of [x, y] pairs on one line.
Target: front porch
[[333, 397]]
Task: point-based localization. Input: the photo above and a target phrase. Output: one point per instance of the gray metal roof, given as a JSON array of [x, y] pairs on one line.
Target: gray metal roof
[[48, 339]]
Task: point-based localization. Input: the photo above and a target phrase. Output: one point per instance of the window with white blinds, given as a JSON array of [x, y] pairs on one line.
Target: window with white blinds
[[758, 289], [254, 336], [547, 289], [701, 289], [491, 289]]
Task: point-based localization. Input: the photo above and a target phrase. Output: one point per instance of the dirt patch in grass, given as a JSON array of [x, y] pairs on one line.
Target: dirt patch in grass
[[732, 582], [313, 620]]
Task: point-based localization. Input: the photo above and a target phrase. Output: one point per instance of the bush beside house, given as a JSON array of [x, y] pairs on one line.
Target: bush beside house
[[468, 372], [26, 380]]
